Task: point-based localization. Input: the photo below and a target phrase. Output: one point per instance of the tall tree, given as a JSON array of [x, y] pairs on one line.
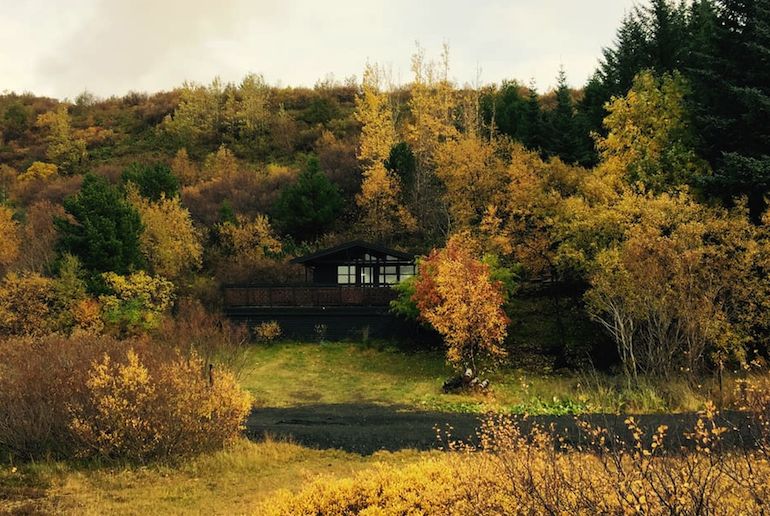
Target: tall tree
[[562, 138], [379, 199], [64, 149], [649, 137], [732, 99], [309, 207], [104, 230]]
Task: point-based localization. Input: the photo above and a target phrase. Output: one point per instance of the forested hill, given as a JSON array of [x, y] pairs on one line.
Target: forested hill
[[225, 182]]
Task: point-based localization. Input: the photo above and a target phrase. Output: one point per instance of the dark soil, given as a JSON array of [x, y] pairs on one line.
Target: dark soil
[[367, 428]]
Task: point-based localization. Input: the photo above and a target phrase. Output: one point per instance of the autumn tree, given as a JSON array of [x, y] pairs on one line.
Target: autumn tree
[[185, 169], [104, 228], [9, 237], [649, 139], [197, 116], [221, 163], [38, 237], [383, 215], [64, 149], [456, 295], [674, 295], [473, 175], [170, 243], [39, 170], [432, 107]]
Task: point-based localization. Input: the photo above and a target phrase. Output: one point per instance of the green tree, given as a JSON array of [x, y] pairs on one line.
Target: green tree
[[307, 208], [104, 230], [649, 137], [153, 181], [731, 80], [562, 127], [15, 120], [64, 149], [532, 126]]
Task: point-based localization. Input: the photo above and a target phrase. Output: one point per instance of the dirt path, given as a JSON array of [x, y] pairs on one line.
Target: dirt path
[[366, 428]]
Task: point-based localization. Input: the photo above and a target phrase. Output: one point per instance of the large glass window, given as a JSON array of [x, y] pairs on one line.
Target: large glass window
[[389, 275], [346, 274], [367, 275], [406, 271]]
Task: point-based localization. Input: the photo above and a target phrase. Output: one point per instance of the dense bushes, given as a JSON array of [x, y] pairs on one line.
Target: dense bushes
[[513, 473], [100, 397]]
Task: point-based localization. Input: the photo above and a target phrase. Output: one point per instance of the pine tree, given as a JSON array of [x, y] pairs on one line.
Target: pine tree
[[532, 122], [562, 130], [732, 100], [106, 228], [307, 208]]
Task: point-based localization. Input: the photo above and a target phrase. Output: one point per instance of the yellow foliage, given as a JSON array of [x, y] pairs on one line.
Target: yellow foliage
[[221, 163], [473, 174], [138, 300], [92, 396], [512, 472], [9, 237], [374, 112], [250, 240], [87, 316], [170, 242], [27, 305], [456, 295], [64, 149], [39, 170], [648, 140], [267, 331], [185, 169], [383, 215]]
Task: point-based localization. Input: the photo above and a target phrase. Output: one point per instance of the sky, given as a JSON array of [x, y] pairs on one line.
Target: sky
[[60, 48]]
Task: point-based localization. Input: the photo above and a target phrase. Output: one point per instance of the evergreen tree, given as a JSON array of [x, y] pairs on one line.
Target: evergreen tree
[[531, 134], [510, 107], [401, 162], [731, 78], [152, 180], [562, 129], [105, 232], [308, 208]]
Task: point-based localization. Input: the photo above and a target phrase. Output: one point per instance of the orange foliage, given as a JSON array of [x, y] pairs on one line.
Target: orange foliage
[[456, 295]]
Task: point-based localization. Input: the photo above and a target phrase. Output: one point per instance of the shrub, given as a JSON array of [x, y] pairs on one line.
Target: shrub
[[267, 331], [101, 397], [137, 303], [27, 305], [513, 472], [215, 339]]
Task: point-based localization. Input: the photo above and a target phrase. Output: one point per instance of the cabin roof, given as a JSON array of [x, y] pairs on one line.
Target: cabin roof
[[308, 258]]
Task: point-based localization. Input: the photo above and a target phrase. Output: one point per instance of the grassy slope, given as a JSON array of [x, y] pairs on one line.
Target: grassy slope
[[228, 482], [289, 373]]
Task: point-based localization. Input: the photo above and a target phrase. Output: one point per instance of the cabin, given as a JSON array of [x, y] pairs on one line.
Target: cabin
[[345, 293]]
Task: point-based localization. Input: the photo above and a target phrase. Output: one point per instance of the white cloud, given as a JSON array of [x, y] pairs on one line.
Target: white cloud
[[112, 46]]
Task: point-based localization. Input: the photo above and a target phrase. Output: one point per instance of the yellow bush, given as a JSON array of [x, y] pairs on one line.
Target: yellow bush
[[513, 473], [267, 331], [100, 397], [39, 170], [27, 305]]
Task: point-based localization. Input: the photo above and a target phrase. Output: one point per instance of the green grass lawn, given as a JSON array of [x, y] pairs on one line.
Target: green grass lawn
[[291, 373]]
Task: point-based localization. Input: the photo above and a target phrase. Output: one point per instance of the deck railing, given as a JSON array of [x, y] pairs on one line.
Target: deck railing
[[310, 296]]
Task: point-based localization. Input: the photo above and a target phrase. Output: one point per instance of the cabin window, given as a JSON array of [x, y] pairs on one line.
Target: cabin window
[[346, 274], [406, 271], [389, 275]]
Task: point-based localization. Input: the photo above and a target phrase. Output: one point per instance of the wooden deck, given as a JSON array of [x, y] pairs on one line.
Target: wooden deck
[[306, 296]]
